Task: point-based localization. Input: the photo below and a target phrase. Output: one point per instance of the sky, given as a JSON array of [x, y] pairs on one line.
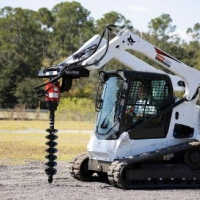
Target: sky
[[184, 13]]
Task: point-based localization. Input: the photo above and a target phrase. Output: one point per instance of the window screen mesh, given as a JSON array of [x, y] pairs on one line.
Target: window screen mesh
[[145, 98]]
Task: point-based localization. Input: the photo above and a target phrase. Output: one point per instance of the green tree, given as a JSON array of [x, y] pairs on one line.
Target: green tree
[[160, 28], [73, 26], [25, 92], [112, 18], [20, 47], [195, 32], [194, 46], [46, 19]]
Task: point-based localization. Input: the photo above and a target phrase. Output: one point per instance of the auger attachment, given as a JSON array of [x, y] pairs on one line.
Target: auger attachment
[[51, 99]]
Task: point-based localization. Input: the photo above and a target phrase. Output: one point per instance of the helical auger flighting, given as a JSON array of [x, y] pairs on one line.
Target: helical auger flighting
[[51, 164]]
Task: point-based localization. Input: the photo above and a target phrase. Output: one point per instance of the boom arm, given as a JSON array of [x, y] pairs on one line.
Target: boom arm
[[128, 40], [119, 54], [116, 49]]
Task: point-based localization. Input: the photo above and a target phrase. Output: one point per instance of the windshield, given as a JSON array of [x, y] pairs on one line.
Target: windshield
[[107, 116]]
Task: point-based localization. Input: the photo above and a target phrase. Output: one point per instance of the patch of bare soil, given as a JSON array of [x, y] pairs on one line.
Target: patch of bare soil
[[30, 182]]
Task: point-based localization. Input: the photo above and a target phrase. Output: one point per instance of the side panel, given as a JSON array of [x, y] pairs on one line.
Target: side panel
[[110, 150], [187, 114]]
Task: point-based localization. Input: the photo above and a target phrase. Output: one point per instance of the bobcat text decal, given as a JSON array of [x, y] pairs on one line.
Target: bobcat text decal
[[163, 60]]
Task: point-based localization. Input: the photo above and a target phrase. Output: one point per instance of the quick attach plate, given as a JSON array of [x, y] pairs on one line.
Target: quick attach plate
[[73, 73]]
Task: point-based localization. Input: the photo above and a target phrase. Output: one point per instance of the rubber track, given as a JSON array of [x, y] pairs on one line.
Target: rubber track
[[161, 152], [75, 165], [115, 170]]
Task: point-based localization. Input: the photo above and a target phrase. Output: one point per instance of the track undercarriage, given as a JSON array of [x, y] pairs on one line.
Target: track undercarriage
[[180, 168]]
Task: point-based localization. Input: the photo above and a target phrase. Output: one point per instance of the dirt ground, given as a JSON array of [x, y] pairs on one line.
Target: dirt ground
[[29, 181]]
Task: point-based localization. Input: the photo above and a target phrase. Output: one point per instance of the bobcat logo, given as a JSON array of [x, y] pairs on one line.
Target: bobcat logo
[[130, 40]]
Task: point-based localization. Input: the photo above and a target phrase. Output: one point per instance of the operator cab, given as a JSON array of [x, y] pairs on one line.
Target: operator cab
[[125, 99]]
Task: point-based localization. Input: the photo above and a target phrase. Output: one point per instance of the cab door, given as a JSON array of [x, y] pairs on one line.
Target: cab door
[[147, 94]]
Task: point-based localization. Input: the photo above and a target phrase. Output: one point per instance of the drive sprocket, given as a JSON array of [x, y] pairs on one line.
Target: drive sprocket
[[79, 168]]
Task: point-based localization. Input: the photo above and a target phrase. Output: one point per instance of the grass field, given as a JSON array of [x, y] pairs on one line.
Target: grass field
[[23, 125], [17, 148]]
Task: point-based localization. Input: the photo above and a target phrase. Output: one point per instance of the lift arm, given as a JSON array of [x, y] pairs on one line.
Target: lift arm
[[125, 39], [119, 54]]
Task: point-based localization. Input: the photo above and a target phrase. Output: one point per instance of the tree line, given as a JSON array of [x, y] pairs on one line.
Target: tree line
[[31, 40]]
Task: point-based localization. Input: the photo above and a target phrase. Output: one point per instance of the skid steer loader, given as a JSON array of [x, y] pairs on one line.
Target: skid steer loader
[[144, 136]]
